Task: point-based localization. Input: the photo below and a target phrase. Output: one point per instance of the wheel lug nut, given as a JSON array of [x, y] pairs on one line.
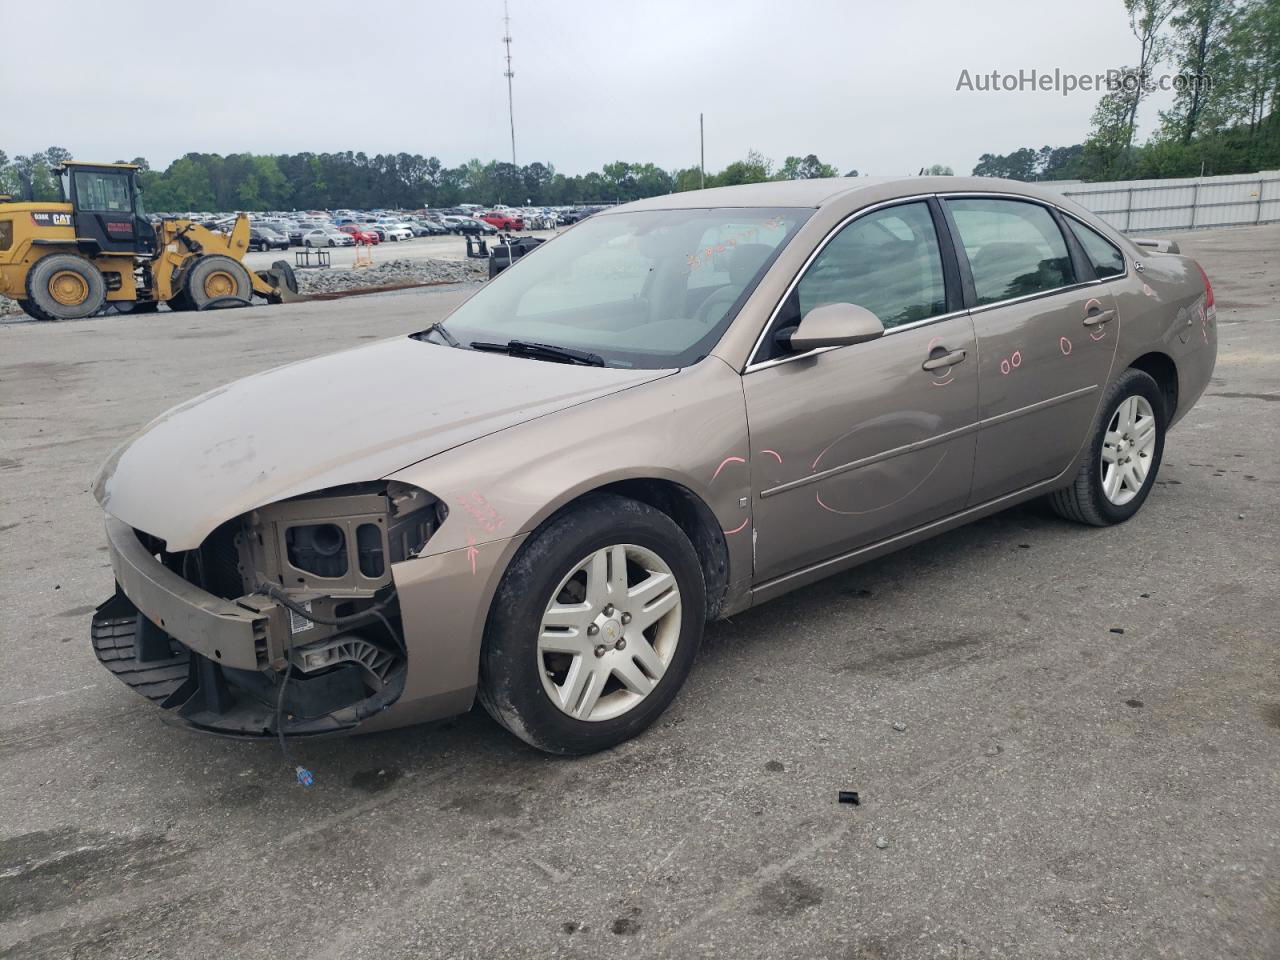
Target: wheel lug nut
[[621, 644], [626, 618], [608, 609], [592, 630], [600, 650]]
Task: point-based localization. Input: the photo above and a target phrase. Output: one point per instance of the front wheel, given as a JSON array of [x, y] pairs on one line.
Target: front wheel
[[1124, 454], [594, 627]]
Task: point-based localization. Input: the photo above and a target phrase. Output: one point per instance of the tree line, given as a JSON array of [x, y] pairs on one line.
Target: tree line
[[1225, 116], [312, 181]]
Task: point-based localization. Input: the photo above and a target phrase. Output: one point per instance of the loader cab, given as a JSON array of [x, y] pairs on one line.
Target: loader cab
[[108, 207]]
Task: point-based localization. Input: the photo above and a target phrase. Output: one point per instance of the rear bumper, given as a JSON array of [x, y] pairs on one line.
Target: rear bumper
[[231, 633]]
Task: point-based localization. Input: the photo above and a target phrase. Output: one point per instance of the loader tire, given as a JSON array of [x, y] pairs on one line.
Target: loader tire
[[214, 277], [34, 312], [65, 287]]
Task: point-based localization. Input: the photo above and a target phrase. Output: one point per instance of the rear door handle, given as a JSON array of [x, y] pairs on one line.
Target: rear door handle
[[1102, 316], [946, 360]]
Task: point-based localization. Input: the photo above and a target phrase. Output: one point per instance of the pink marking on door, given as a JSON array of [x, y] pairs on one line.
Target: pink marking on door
[[739, 528], [1004, 367], [472, 553], [1016, 359], [1097, 334], [773, 453], [725, 462], [1064, 345]]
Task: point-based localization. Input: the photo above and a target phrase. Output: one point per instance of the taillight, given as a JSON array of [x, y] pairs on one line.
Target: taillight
[[1208, 287]]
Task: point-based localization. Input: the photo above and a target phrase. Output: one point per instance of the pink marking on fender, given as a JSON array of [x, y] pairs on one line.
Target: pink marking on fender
[[472, 553], [1064, 345], [724, 463], [773, 453], [1016, 359], [738, 529], [1004, 367]]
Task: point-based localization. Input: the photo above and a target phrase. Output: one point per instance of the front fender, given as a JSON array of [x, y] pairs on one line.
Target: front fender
[[689, 429]]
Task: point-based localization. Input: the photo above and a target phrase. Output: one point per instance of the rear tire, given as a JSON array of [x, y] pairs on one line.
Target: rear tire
[[215, 276], [519, 676], [1086, 500], [62, 286]]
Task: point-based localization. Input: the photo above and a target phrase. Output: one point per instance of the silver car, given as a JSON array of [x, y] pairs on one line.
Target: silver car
[[326, 237], [678, 409]]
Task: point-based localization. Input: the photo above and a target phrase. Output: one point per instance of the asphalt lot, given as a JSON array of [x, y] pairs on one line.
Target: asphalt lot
[[1090, 765]]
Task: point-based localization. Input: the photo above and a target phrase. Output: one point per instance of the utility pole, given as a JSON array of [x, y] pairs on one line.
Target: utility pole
[[511, 110], [702, 154]]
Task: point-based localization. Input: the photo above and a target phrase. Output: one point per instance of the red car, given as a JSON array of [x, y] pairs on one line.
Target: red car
[[360, 236], [503, 222]]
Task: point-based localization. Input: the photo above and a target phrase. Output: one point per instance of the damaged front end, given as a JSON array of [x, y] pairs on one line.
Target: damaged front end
[[288, 610]]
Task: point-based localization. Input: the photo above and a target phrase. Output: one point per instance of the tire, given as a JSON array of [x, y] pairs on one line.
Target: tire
[[215, 276], [332, 243], [1086, 500], [518, 677], [34, 312], [62, 286]]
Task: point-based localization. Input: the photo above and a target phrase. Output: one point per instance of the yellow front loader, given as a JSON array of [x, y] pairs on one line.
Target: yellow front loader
[[63, 261]]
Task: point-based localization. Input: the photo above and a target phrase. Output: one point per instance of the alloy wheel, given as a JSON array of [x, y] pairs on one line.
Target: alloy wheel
[[1127, 448], [609, 632]]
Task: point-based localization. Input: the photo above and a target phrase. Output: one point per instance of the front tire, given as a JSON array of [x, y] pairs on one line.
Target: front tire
[[214, 277], [1124, 454], [594, 627]]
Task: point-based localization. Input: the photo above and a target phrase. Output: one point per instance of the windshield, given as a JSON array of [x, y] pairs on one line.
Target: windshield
[[650, 289]]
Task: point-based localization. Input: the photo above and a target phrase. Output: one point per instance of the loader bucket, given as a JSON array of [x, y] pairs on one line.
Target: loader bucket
[[283, 282]]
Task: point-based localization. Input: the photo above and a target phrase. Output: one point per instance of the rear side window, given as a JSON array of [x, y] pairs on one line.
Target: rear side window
[[1107, 260], [887, 261], [1015, 248]]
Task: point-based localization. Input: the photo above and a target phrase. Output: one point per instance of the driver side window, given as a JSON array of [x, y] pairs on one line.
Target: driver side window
[[887, 261], [102, 192]]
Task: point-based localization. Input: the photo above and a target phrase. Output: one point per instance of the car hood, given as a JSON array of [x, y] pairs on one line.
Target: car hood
[[344, 418]]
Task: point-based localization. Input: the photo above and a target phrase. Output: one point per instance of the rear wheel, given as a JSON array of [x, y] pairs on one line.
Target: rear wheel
[[214, 277], [65, 287], [1124, 454], [594, 627]]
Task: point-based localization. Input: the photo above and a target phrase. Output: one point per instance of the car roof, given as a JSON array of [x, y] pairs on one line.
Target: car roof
[[819, 192]]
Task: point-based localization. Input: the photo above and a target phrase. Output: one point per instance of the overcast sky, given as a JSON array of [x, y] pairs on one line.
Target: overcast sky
[[870, 86]]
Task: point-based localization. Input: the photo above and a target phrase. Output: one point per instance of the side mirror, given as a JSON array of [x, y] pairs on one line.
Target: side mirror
[[836, 325]]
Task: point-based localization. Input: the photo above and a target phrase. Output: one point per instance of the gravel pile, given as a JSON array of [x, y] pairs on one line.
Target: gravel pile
[[9, 308], [392, 272]]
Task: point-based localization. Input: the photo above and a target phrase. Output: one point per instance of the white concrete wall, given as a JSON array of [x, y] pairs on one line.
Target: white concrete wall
[[1145, 206]]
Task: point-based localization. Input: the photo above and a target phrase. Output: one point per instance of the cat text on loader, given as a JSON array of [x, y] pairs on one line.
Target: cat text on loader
[[63, 261]]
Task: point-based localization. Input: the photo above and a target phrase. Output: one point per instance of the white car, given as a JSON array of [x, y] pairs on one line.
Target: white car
[[326, 237], [396, 231]]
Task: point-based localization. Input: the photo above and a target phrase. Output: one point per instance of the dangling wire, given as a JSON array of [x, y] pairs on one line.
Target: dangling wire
[[305, 777]]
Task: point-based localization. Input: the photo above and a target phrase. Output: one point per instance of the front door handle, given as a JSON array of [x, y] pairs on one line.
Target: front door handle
[[946, 360], [1101, 317]]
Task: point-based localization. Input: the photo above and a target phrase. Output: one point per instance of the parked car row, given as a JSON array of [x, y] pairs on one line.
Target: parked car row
[[280, 231]]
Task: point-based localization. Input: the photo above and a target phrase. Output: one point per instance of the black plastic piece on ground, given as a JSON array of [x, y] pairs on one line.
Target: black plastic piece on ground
[[850, 797]]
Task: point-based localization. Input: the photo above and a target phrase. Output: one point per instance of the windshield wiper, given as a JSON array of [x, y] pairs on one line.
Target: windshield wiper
[[541, 351], [439, 328]]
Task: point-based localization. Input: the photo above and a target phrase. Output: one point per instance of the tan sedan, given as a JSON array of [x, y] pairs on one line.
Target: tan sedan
[[676, 410]]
